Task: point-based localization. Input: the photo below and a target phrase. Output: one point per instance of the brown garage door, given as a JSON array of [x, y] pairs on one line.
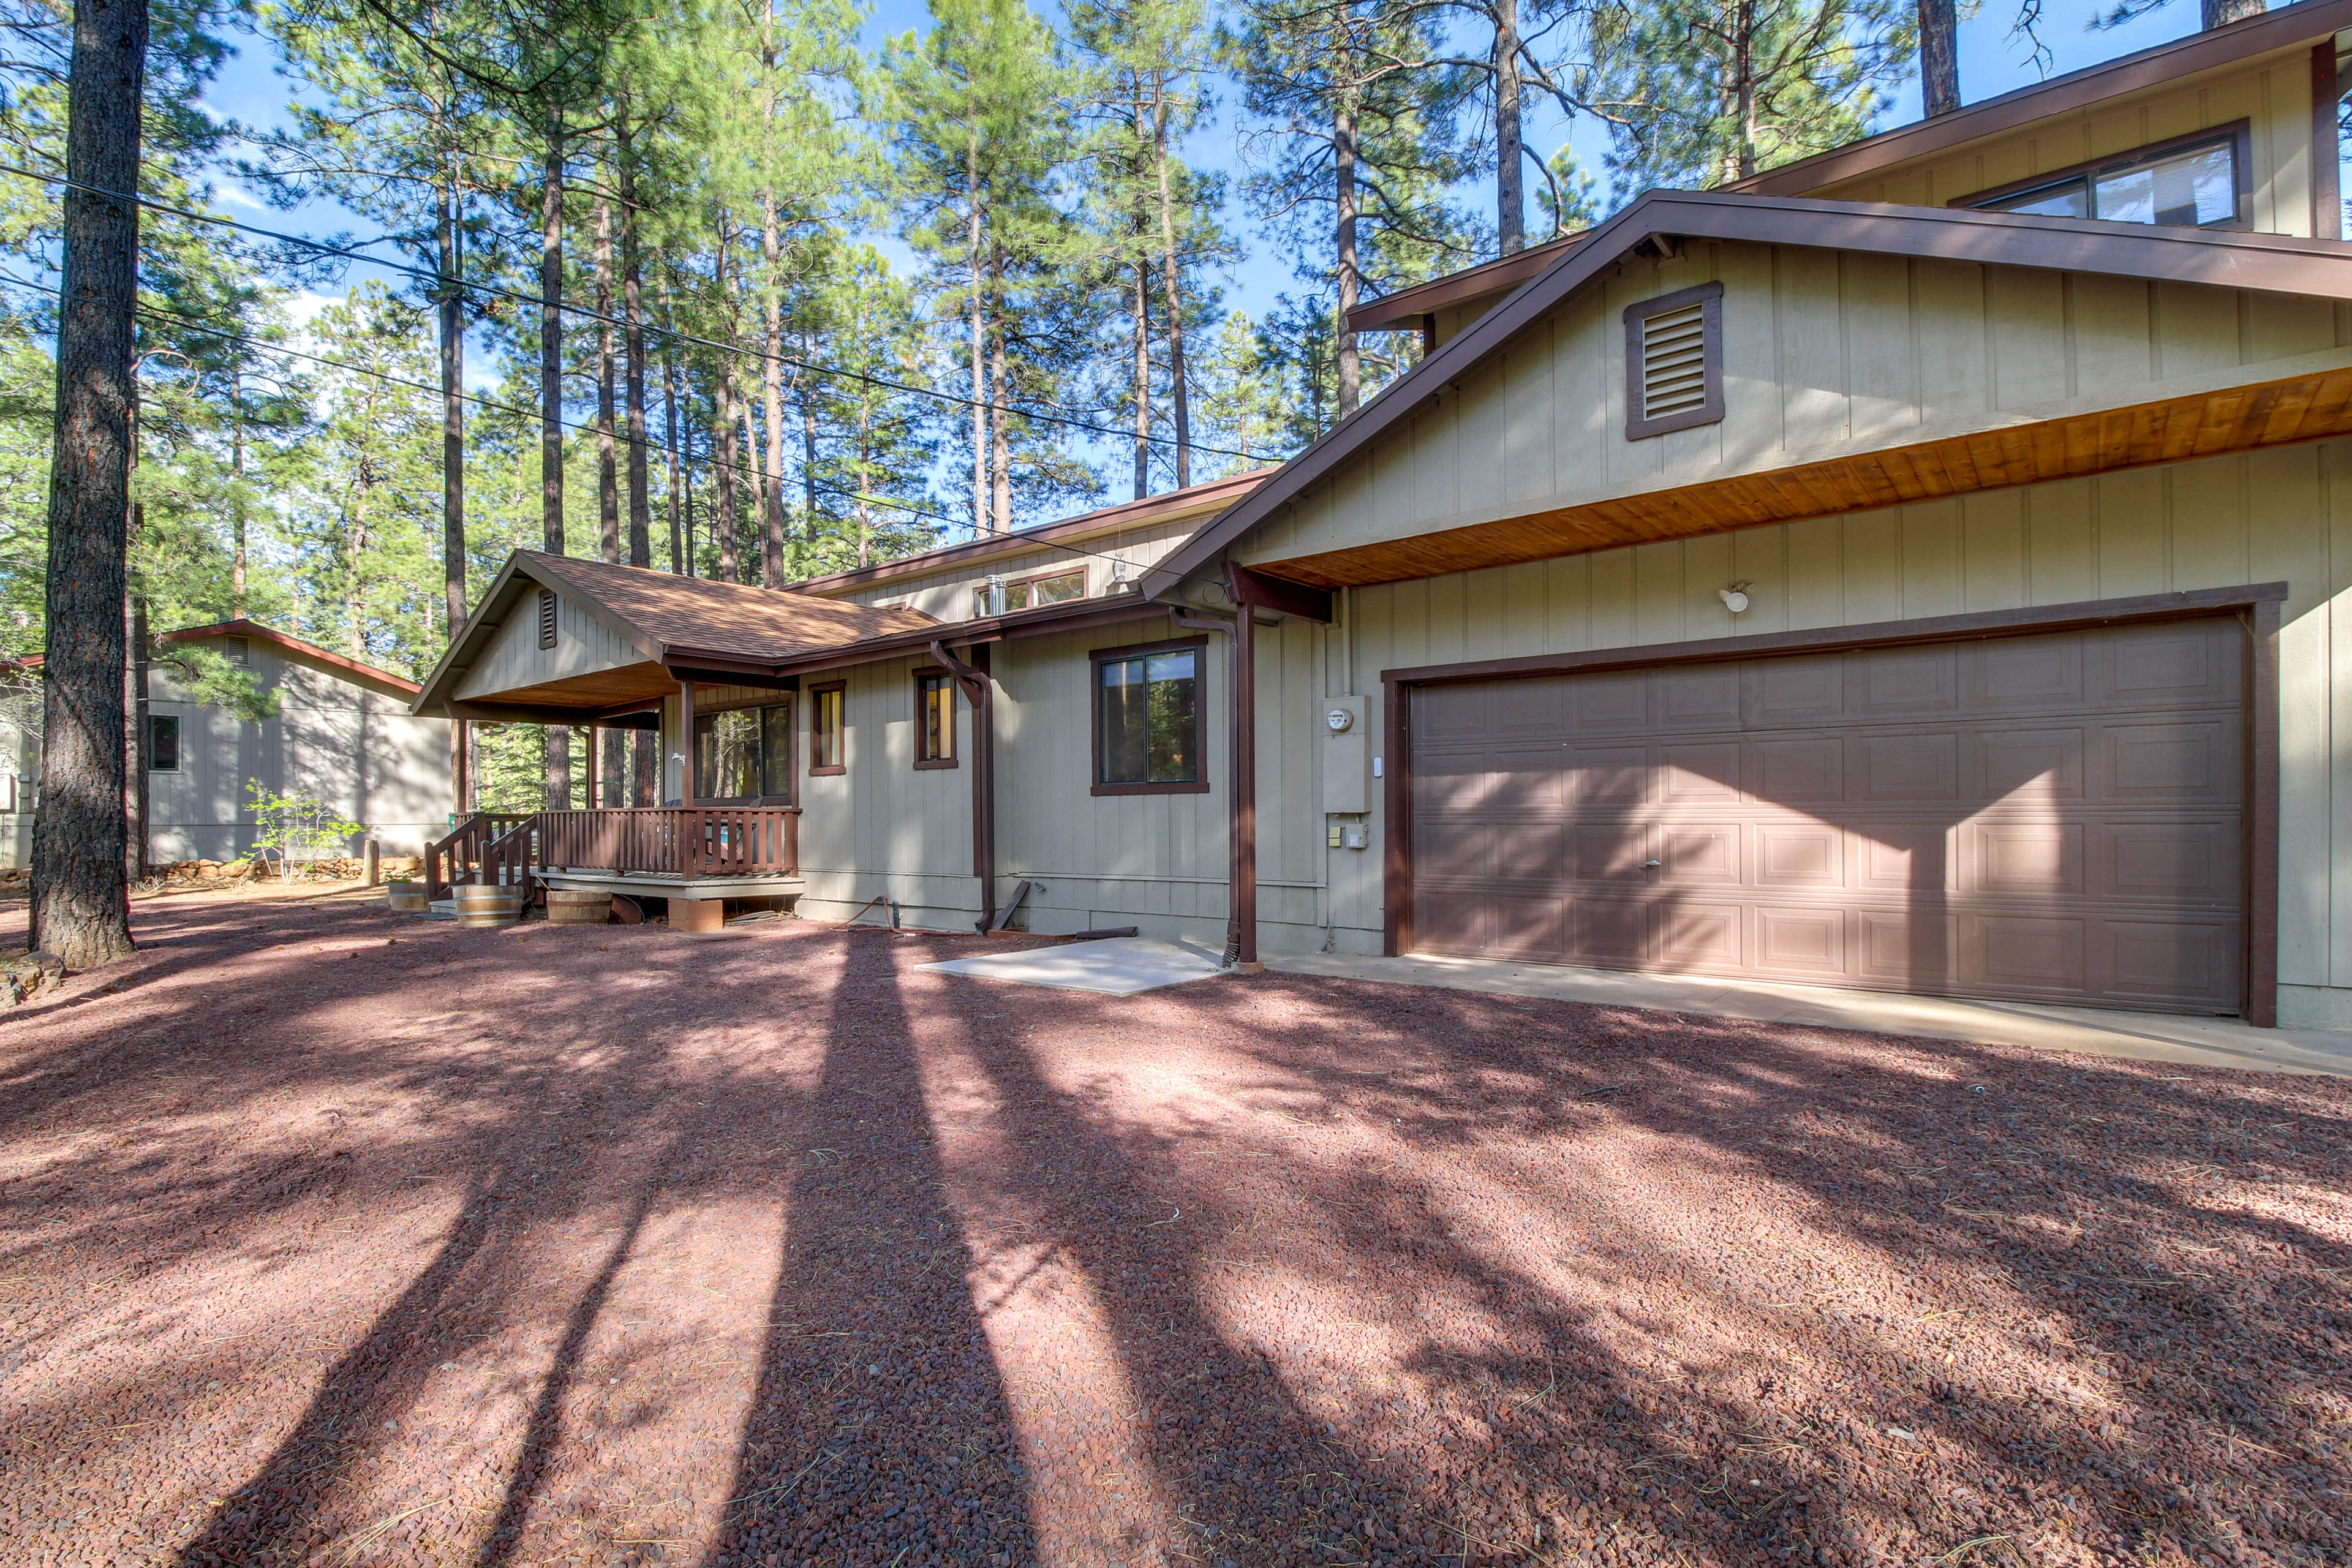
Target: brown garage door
[[2052, 817]]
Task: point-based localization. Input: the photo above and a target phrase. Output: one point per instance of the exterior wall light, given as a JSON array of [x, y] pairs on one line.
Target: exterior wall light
[[1735, 598]]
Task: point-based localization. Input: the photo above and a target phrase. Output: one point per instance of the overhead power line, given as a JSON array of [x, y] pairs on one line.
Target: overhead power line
[[441, 280], [714, 463]]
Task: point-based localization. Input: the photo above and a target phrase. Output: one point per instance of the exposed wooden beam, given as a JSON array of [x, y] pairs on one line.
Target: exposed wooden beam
[[1260, 592]]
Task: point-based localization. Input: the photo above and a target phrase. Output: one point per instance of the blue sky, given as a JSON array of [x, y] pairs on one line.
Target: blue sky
[[1992, 62]]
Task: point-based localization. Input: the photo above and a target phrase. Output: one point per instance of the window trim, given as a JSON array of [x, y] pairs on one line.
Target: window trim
[[2238, 133], [815, 710], [924, 674], [1095, 658], [179, 743], [1710, 412]]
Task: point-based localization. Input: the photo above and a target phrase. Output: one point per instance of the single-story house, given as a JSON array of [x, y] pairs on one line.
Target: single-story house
[[1912, 568]]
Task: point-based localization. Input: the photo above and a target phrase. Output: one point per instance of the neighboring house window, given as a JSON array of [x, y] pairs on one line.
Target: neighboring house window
[[1148, 719], [163, 743], [1673, 361], [234, 650], [826, 753], [1028, 592], [2193, 182], [744, 754], [934, 719], [546, 619]]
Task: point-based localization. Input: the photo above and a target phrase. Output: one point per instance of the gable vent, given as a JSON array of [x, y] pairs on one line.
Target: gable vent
[[546, 619], [1673, 361]]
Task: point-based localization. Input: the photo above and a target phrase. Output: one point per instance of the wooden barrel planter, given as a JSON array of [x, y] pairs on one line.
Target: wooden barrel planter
[[405, 897], [484, 904], [578, 907]]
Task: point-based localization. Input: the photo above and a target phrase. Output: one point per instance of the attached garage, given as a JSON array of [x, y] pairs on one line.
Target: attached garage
[[2052, 815]]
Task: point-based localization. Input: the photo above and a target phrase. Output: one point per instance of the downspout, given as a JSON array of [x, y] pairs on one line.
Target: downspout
[[981, 691], [1241, 892]]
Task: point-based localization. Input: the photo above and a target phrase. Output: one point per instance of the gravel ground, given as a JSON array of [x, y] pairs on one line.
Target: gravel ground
[[329, 1236]]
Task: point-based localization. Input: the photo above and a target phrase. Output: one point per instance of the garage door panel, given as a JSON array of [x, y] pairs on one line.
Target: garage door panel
[[1800, 942], [2148, 763], [2052, 817], [1441, 714], [1905, 765], [1609, 931], [1805, 769], [1699, 934]]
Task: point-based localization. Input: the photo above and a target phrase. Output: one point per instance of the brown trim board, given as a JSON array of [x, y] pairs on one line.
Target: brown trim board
[[2255, 605]]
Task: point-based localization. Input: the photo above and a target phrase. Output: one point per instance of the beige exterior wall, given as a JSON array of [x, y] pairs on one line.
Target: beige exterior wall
[[356, 748], [1826, 355], [21, 760], [583, 646], [2283, 515], [2273, 93]]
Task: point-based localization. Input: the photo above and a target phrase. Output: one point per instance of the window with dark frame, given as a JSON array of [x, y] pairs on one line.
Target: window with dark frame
[[546, 619], [826, 750], [2191, 182], [1148, 721], [163, 743], [1030, 592], [744, 754], [1673, 361], [935, 724]]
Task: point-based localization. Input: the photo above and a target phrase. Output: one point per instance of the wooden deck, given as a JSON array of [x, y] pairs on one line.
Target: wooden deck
[[672, 851]]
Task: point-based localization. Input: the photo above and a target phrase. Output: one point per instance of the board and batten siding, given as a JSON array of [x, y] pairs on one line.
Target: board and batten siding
[[584, 645], [355, 748], [2278, 515], [1826, 355], [2273, 94]]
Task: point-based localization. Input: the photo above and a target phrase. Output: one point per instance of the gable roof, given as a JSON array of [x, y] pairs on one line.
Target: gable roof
[[677, 622], [310, 653], [2277, 264], [2284, 27]]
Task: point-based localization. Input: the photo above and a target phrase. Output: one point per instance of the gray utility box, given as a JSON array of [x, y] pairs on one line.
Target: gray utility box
[[1347, 757]]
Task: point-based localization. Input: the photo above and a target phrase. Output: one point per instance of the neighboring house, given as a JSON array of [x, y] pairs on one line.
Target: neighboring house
[[343, 733], [1913, 568], [20, 752]]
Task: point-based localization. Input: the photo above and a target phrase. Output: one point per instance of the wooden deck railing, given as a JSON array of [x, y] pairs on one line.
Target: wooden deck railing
[[458, 857], [685, 841]]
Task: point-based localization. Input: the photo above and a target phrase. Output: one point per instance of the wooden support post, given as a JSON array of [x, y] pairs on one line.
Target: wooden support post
[[686, 795], [462, 744], [1244, 830], [980, 691], [371, 862], [596, 771]]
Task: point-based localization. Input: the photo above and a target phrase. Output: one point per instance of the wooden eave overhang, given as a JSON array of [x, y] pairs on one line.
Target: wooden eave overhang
[[1489, 280], [1173, 506], [2307, 407], [2286, 28]]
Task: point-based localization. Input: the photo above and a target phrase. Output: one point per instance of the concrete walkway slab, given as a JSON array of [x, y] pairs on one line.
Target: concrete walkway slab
[[1115, 966], [2138, 1037]]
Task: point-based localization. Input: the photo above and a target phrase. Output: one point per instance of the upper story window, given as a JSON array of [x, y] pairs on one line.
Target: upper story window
[[1673, 361], [236, 651], [1148, 719], [2193, 182], [826, 751], [1002, 598], [163, 743]]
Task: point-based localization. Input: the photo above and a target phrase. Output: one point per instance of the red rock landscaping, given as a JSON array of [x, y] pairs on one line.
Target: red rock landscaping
[[330, 1236]]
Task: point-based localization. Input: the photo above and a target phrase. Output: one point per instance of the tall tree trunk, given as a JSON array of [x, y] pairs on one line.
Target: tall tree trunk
[[693, 567], [1510, 194], [807, 391], [678, 550], [1171, 280], [2221, 13], [236, 570], [978, 332], [1939, 55], [1343, 162], [608, 492], [1000, 404], [865, 479], [772, 386], [633, 315], [355, 543], [1743, 76], [551, 409], [453, 407], [727, 527], [80, 909], [1138, 377]]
